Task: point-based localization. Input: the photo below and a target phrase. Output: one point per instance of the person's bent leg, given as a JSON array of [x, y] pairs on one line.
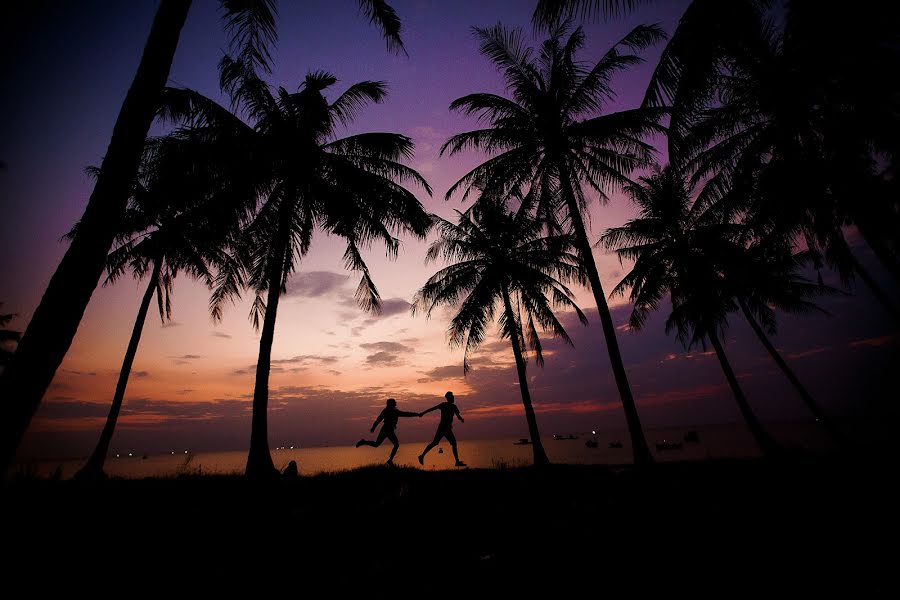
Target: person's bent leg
[[434, 442], [393, 437]]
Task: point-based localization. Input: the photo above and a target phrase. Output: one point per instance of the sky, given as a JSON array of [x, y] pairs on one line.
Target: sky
[[66, 67]]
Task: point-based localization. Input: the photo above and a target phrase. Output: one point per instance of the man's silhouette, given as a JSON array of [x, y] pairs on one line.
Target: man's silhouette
[[389, 415], [445, 427]]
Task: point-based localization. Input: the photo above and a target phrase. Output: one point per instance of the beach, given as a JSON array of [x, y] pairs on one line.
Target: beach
[[612, 448]]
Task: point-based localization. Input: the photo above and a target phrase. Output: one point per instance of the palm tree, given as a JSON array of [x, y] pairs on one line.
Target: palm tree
[[676, 251], [251, 26], [501, 257], [8, 337], [766, 277], [785, 114], [170, 227], [548, 135], [299, 176]]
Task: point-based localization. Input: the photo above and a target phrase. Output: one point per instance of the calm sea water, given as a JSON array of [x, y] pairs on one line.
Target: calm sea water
[[725, 441]]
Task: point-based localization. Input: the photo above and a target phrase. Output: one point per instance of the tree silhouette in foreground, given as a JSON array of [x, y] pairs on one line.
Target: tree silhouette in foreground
[[499, 257], [679, 252], [170, 227], [548, 136], [299, 176], [787, 126]]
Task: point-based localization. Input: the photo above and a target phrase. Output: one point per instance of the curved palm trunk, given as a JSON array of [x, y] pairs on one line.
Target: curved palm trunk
[[56, 319], [540, 456], [888, 259], [768, 445], [792, 377], [94, 466], [879, 293], [639, 447], [259, 458]]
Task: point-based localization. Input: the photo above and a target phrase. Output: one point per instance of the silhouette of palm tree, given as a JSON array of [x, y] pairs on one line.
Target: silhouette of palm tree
[[501, 257], [678, 251], [169, 227], [299, 176], [548, 137], [251, 27], [764, 278], [779, 121]]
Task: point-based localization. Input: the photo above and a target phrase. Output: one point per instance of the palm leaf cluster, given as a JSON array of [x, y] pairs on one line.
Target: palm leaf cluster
[[502, 267]]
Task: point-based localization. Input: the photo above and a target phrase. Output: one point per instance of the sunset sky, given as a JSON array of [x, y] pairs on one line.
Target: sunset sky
[[65, 70]]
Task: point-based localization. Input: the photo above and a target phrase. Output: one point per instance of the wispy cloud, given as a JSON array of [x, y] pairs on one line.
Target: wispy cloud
[[316, 284], [385, 354]]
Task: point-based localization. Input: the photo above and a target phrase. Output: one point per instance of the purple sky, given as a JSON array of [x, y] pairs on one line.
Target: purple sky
[[65, 70]]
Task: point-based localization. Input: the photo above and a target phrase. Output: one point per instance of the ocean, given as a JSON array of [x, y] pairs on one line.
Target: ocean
[[613, 448]]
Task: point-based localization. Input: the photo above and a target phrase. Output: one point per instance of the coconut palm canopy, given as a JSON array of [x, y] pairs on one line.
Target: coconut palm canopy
[[325, 128]]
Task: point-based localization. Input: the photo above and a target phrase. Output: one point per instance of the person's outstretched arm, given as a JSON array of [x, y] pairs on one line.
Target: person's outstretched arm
[[403, 413], [458, 416], [425, 412], [377, 421]]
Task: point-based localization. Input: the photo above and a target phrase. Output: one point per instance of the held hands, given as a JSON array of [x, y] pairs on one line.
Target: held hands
[[372, 430], [421, 414]]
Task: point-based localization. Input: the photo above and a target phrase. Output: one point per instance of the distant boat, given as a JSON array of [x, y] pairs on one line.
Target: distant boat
[[692, 437], [522, 442], [557, 436], [590, 443], [667, 445], [615, 444]]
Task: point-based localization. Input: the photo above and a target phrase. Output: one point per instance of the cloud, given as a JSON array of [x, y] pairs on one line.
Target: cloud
[[394, 306], [305, 359], [185, 359], [169, 324], [385, 359], [316, 284], [442, 373], [387, 347], [74, 372], [219, 334], [385, 354], [876, 341], [140, 374]]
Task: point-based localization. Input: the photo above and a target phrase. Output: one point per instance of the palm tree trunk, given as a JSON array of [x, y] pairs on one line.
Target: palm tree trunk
[[792, 377], [768, 446], [879, 293], [540, 456], [887, 257], [259, 459], [94, 467], [56, 319], [639, 447]]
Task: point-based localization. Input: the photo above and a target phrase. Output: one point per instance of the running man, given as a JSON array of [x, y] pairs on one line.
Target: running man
[[390, 416], [445, 427]]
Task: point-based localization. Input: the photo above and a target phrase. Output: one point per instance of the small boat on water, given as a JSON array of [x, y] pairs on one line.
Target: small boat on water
[[522, 442], [692, 437], [616, 444], [667, 445], [557, 436], [591, 443]]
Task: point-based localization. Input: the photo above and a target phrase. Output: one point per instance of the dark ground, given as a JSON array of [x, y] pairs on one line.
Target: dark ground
[[802, 527]]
